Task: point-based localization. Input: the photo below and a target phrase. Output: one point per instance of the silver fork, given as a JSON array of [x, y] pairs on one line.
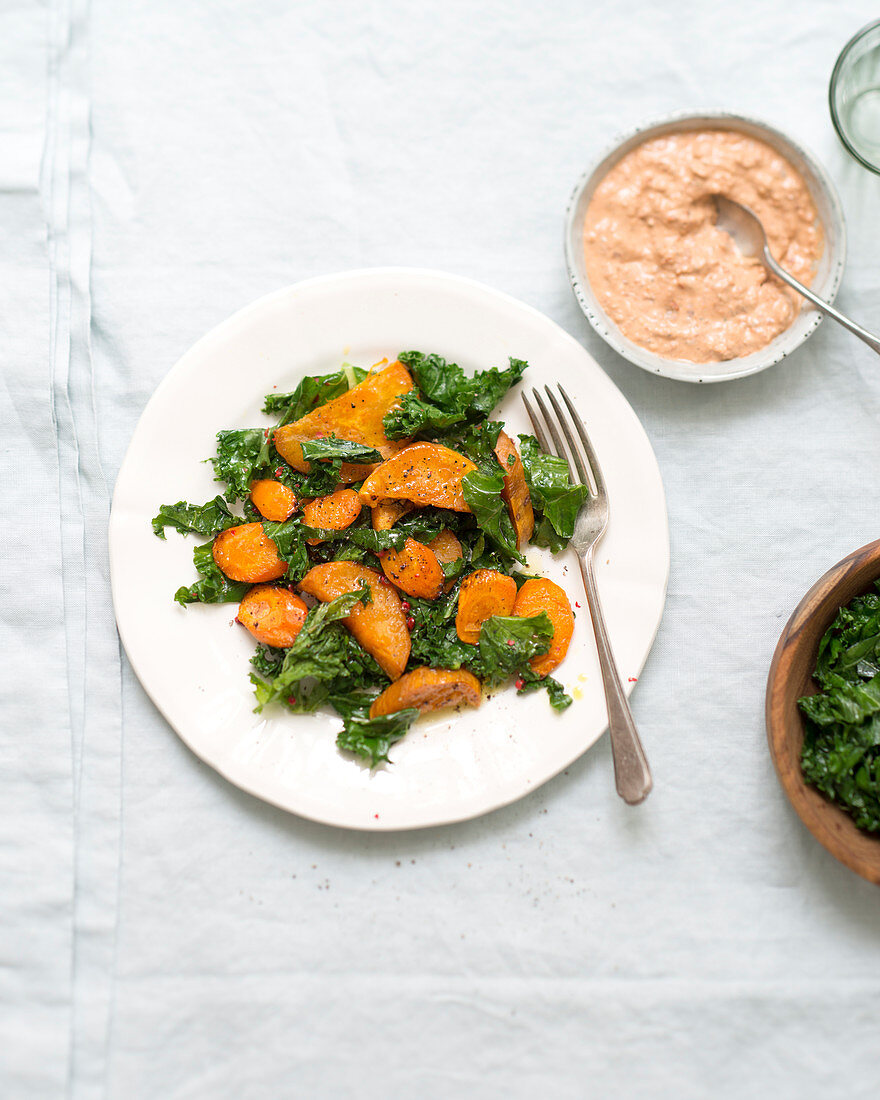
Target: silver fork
[[631, 772]]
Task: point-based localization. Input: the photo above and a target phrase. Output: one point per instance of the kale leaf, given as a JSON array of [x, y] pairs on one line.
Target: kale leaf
[[448, 396], [507, 643], [289, 537], [323, 478], [215, 586], [435, 640], [311, 392], [332, 447], [482, 491], [555, 500], [204, 519], [369, 738], [415, 418], [240, 452], [324, 659], [556, 693], [841, 750], [363, 537]]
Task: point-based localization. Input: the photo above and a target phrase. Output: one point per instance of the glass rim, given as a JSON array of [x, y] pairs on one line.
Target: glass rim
[[832, 105]]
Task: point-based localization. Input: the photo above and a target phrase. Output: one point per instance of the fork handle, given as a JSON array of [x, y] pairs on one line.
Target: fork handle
[[632, 776]]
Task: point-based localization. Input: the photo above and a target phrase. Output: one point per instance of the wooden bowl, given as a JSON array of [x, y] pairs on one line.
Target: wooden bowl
[[790, 678]]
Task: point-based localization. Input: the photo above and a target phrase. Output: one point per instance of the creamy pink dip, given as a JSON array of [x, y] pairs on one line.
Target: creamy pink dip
[[671, 281]]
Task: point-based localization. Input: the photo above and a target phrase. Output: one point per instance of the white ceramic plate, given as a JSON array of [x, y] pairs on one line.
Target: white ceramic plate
[[193, 661]]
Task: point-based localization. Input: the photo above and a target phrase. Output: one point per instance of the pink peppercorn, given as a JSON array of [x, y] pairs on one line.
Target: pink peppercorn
[[519, 683], [410, 623], [292, 700], [405, 604]]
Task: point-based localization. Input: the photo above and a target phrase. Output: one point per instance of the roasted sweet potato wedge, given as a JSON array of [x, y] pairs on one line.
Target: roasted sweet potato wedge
[[387, 512], [380, 626], [424, 473], [483, 594], [415, 570], [355, 416], [448, 549], [429, 689], [246, 553], [273, 500], [515, 492], [274, 615], [446, 546], [334, 512], [540, 595]]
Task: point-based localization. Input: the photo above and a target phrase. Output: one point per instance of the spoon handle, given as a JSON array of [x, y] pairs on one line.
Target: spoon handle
[[870, 339]]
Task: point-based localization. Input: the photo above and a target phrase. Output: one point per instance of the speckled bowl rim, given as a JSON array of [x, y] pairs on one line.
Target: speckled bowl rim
[[831, 268]]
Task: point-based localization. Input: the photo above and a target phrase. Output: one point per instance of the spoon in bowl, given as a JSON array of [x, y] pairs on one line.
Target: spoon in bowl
[[749, 237]]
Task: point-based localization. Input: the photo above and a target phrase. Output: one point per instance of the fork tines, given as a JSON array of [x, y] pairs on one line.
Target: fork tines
[[579, 455]]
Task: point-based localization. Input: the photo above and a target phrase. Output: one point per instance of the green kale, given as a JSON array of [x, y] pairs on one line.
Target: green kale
[[323, 660], [841, 750], [435, 641], [424, 524], [267, 660], [415, 418], [312, 391], [365, 538], [559, 700], [851, 647], [555, 500], [369, 738], [215, 586], [482, 491], [289, 537], [448, 396], [447, 386], [477, 441], [323, 478], [452, 569], [507, 643], [240, 453], [332, 447], [205, 519]]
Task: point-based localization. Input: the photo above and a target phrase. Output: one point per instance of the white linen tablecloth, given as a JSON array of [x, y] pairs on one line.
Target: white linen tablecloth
[[165, 935]]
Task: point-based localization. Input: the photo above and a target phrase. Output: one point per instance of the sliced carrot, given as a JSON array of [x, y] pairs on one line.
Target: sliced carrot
[[540, 595], [274, 615], [334, 512], [429, 689], [424, 473], [387, 512], [273, 500], [355, 416], [483, 594], [380, 626], [515, 493], [415, 569], [246, 553]]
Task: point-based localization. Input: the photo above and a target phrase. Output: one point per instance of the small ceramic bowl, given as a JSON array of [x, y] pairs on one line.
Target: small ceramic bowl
[[825, 283], [791, 676]]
